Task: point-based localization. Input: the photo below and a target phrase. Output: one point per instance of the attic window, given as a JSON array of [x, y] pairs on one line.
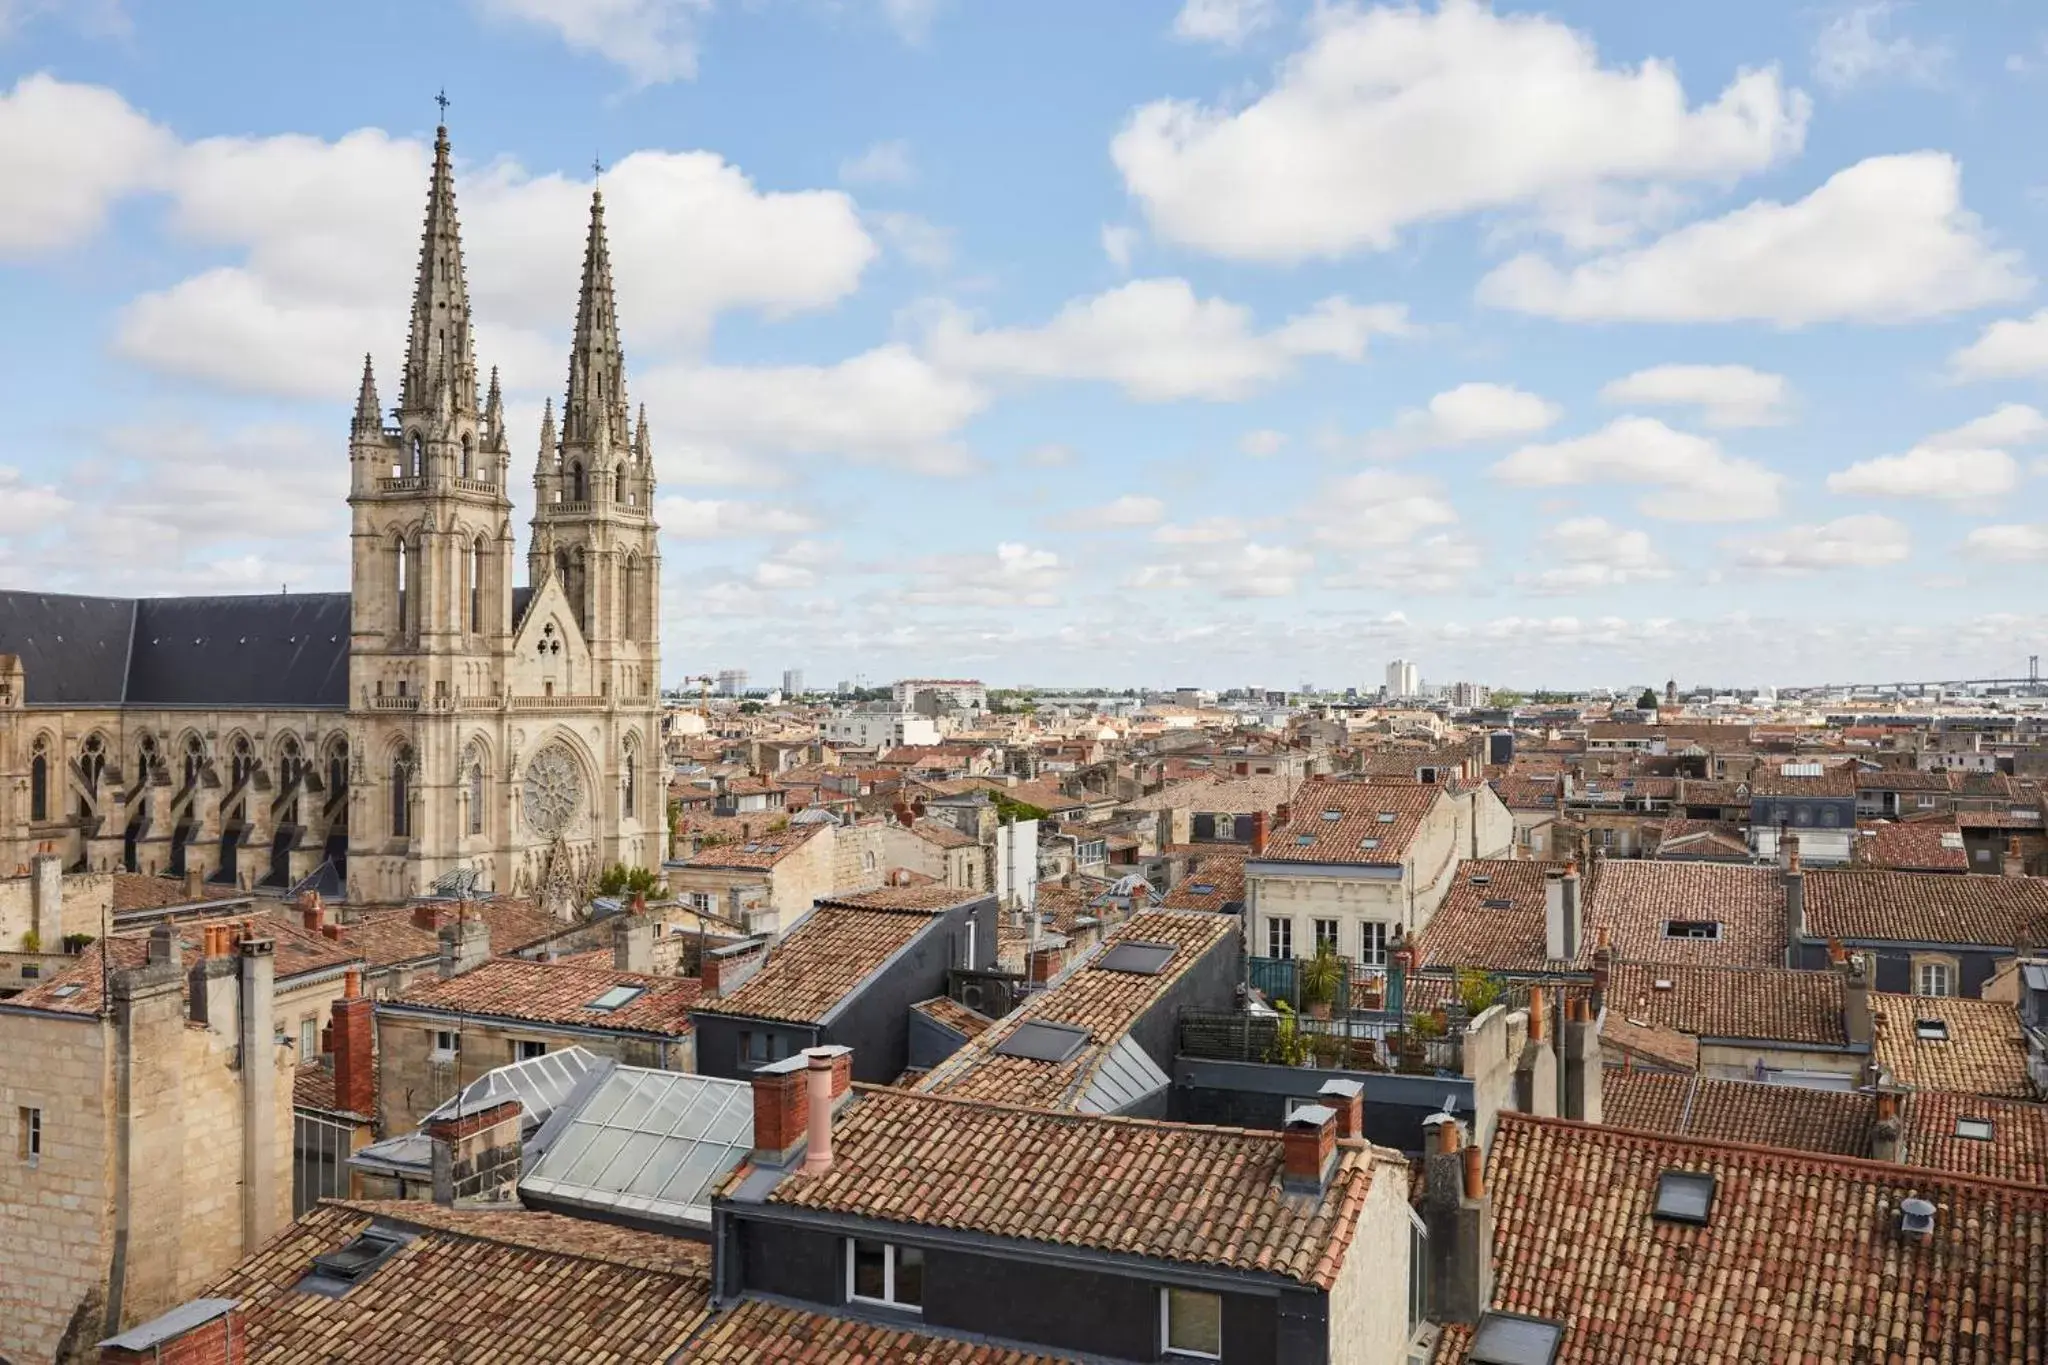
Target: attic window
[[1304, 838], [1368, 843], [1692, 928], [1482, 879], [1039, 1041], [1685, 1197], [1931, 1030], [1386, 817], [1201, 888], [618, 997], [1333, 815], [1498, 903], [1512, 1339], [1662, 983], [66, 992], [1139, 959], [1978, 1130], [339, 1271]]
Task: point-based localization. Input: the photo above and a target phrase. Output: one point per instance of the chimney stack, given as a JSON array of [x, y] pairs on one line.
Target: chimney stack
[[210, 992], [1536, 1071], [259, 1092], [1888, 1132], [633, 944], [1459, 1218], [46, 899], [1856, 1016], [195, 883], [312, 913], [1309, 1150], [1258, 834], [353, 1038], [1348, 1099], [1582, 1063], [465, 944], [2015, 864], [820, 1063], [1559, 934], [1794, 880], [476, 1156]]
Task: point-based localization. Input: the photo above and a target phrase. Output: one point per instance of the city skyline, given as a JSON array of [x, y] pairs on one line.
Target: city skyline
[[973, 348]]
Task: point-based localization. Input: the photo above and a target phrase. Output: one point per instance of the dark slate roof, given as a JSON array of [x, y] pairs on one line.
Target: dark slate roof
[[522, 598], [282, 650]]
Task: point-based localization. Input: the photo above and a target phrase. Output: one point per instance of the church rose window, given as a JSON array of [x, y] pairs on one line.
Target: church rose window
[[552, 791]]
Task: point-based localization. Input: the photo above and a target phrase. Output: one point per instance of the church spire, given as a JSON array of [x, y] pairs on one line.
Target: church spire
[[494, 415], [369, 419], [596, 407], [440, 365]]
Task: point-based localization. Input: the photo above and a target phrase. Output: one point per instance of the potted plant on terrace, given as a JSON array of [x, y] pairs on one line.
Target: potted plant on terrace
[[1320, 977]]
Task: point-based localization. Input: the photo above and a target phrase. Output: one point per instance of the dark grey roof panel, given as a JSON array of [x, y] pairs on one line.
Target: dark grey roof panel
[[522, 598], [283, 650], [75, 649]]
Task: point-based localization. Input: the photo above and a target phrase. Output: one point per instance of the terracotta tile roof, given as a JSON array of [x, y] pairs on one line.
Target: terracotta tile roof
[[1682, 839], [1999, 819], [1177, 1192], [1768, 780], [1901, 780], [1793, 1117], [1800, 1261], [762, 851], [1984, 1053], [829, 952], [1767, 1004], [1103, 1002], [1634, 901], [557, 993], [1332, 820], [1926, 907], [1522, 792], [76, 988], [1933, 846], [1664, 1046], [2017, 1149], [755, 1331], [1215, 794], [390, 936], [941, 834], [313, 1085], [1491, 917], [922, 896], [512, 1288], [954, 1015], [1221, 873], [140, 891]]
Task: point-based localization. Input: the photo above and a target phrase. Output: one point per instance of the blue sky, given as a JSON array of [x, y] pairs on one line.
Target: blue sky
[[1239, 341]]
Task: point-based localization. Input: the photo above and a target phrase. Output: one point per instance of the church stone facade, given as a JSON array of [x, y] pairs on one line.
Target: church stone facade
[[435, 725]]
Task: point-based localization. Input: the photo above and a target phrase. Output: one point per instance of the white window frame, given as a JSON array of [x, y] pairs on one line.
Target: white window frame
[[1921, 971], [889, 1253], [1166, 1346], [309, 1038], [1371, 953], [31, 1134], [1336, 934], [1279, 933], [447, 1045], [520, 1048]]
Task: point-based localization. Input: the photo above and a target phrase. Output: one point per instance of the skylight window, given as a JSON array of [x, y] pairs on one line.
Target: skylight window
[[1931, 1030], [66, 992], [1978, 1130], [1202, 888], [1041, 1041], [1139, 959], [1685, 1197], [1512, 1339], [1387, 817], [1692, 928], [1498, 903], [1333, 815], [1482, 879], [617, 997], [1368, 843], [1304, 838]]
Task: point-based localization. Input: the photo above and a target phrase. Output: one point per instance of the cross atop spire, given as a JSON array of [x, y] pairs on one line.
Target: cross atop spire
[[443, 100], [440, 364], [596, 406]]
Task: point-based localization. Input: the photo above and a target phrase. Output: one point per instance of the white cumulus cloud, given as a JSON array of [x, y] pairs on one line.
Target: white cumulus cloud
[[1227, 23], [2010, 348], [1393, 116], [1857, 47], [2013, 544], [882, 163], [1693, 478], [1884, 240], [1968, 463], [1159, 341], [722, 519], [1866, 541], [1726, 395], [1470, 414], [1593, 553], [651, 40], [1132, 509], [67, 154], [1376, 507]]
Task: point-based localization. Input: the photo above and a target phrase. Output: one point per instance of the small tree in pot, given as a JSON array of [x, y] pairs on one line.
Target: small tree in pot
[[1321, 975]]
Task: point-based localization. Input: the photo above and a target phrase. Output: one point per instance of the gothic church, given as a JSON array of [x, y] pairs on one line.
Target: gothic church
[[434, 726]]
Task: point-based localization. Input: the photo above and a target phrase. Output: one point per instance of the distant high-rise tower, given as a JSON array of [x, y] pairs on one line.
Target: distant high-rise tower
[[792, 682], [732, 682], [1404, 679]]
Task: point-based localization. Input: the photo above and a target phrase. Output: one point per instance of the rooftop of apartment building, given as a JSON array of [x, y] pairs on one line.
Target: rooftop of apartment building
[[1339, 820], [1750, 1003], [1880, 904], [1932, 1042], [520, 991]]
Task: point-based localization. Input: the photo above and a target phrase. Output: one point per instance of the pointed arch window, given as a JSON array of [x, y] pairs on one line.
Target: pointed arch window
[[467, 451], [473, 784], [92, 761], [629, 797], [619, 485], [195, 759], [337, 777], [419, 456], [405, 567], [39, 781], [579, 483], [475, 574], [291, 767], [401, 793]]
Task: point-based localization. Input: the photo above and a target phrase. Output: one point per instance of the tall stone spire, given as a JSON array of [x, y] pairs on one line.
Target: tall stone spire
[[369, 419], [494, 416], [440, 364], [596, 408]]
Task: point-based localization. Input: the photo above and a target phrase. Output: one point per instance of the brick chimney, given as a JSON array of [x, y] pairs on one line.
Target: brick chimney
[[197, 1332], [1308, 1148], [353, 1037], [1887, 1134], [1258, 834], [1348, 1099], [1459, 1218], [211, 988], [787, 1102], [312, 913], [2015, 862], [476, 1156]]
